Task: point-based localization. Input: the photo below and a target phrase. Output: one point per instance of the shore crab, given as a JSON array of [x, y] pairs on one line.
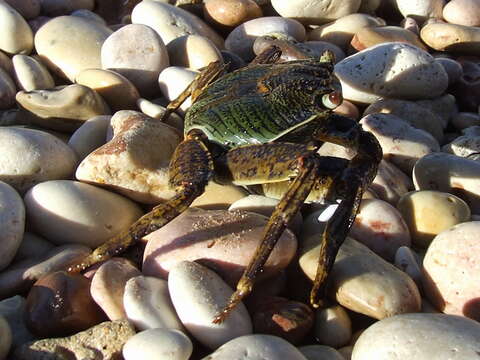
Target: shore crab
[[263, 124]]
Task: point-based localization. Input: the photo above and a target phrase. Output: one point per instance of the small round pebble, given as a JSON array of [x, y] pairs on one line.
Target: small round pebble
[[422, 9], [5, 338], [7, 90], [316, 352], [17, 37], [67, 211], [462, 12], [332, 326], [90, 136], [420, 337], [193, 51], [173, 80], [198, 295], [257, 346], [165, 344], [452, 38], [230, 13], [31, 74]]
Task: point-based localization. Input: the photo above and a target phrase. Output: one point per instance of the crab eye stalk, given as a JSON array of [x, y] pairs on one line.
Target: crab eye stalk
[[332, 100]]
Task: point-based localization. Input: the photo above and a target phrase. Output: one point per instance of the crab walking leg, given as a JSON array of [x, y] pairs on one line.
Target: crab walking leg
[[270, 163], [190, 170], [354, 181], [208, 75]]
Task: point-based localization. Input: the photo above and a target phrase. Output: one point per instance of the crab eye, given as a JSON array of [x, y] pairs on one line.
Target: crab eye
[[332, 100]]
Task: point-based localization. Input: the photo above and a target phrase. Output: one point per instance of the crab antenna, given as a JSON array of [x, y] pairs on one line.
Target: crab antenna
[[328, 58]]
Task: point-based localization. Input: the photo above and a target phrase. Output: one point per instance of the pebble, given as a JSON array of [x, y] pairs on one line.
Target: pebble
[[219, 197], [405, 260], [38, 22], [256, 346], [370, 36], [290, 320], [315, 352], [32, 246], [108, 286], [195, 235], [193, 51], [5, 338], [90, 136], [63, 7], [6, 64], [402, 144], [65, 211], [63, 108], [155, 110], [467, 146], [70, 44], [464, 120], [138, 53], [451, 269], [380, 227], [453, 68], [415, 114], [17, 37], [118, 92], [462, 12], [153, 344], [467, 88], [89, 15], [240, 40], [19, 278], [29, 9], [315, 12], [103, 341], [60, 304], [333, 326], [173, 80], [135, 161], [31, 74], [148, 305], [171, 22], [12, 223], [7, 90], [230, 13], [421, 337], [32, 156], [362, 281], [395, 70], [13, 310], [452, 38], [341, 31], [198, 294], [390, 183], [451, 174], [429, 212], [421, 10]]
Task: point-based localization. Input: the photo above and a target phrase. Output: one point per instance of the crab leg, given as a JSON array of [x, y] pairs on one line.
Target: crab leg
[[190, 170]]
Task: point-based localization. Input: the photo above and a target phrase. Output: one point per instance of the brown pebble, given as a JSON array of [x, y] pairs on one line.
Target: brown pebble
[[230, 13]]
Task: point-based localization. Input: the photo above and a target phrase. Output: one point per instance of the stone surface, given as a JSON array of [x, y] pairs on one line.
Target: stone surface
[[363, 282], [7, 90], [67, 211], [63, 108], [315, 12], [219, 197], [12, 223], [371, 36], [104, 340], [17, 37], [32, 156], [240, 40], [452, 67], [452, 38], [148, 305], [467, 146], [451, 266], [406, 260], [227, 14], [158, 343], [257, 346], [137, 52], [155, 110], [135, 161], [315, 352], [5, 338], [464, 120], [13, 310], [20, 277], [63, 7], [108, 286], [173, 80], [32, 246], [332, 326], [390, 183], [90, 136], [223, 240], [402, 144], [118, 92], [462, 12], [451, 174], [31, 74], [198, 295], [193, 51], [395, 69], [70, 44], [429, 212], [29, 9], [171, 22], [419, 336], [60, 304], [421, 10]]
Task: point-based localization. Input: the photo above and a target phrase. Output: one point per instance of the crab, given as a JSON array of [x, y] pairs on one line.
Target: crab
[[263, 124]]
